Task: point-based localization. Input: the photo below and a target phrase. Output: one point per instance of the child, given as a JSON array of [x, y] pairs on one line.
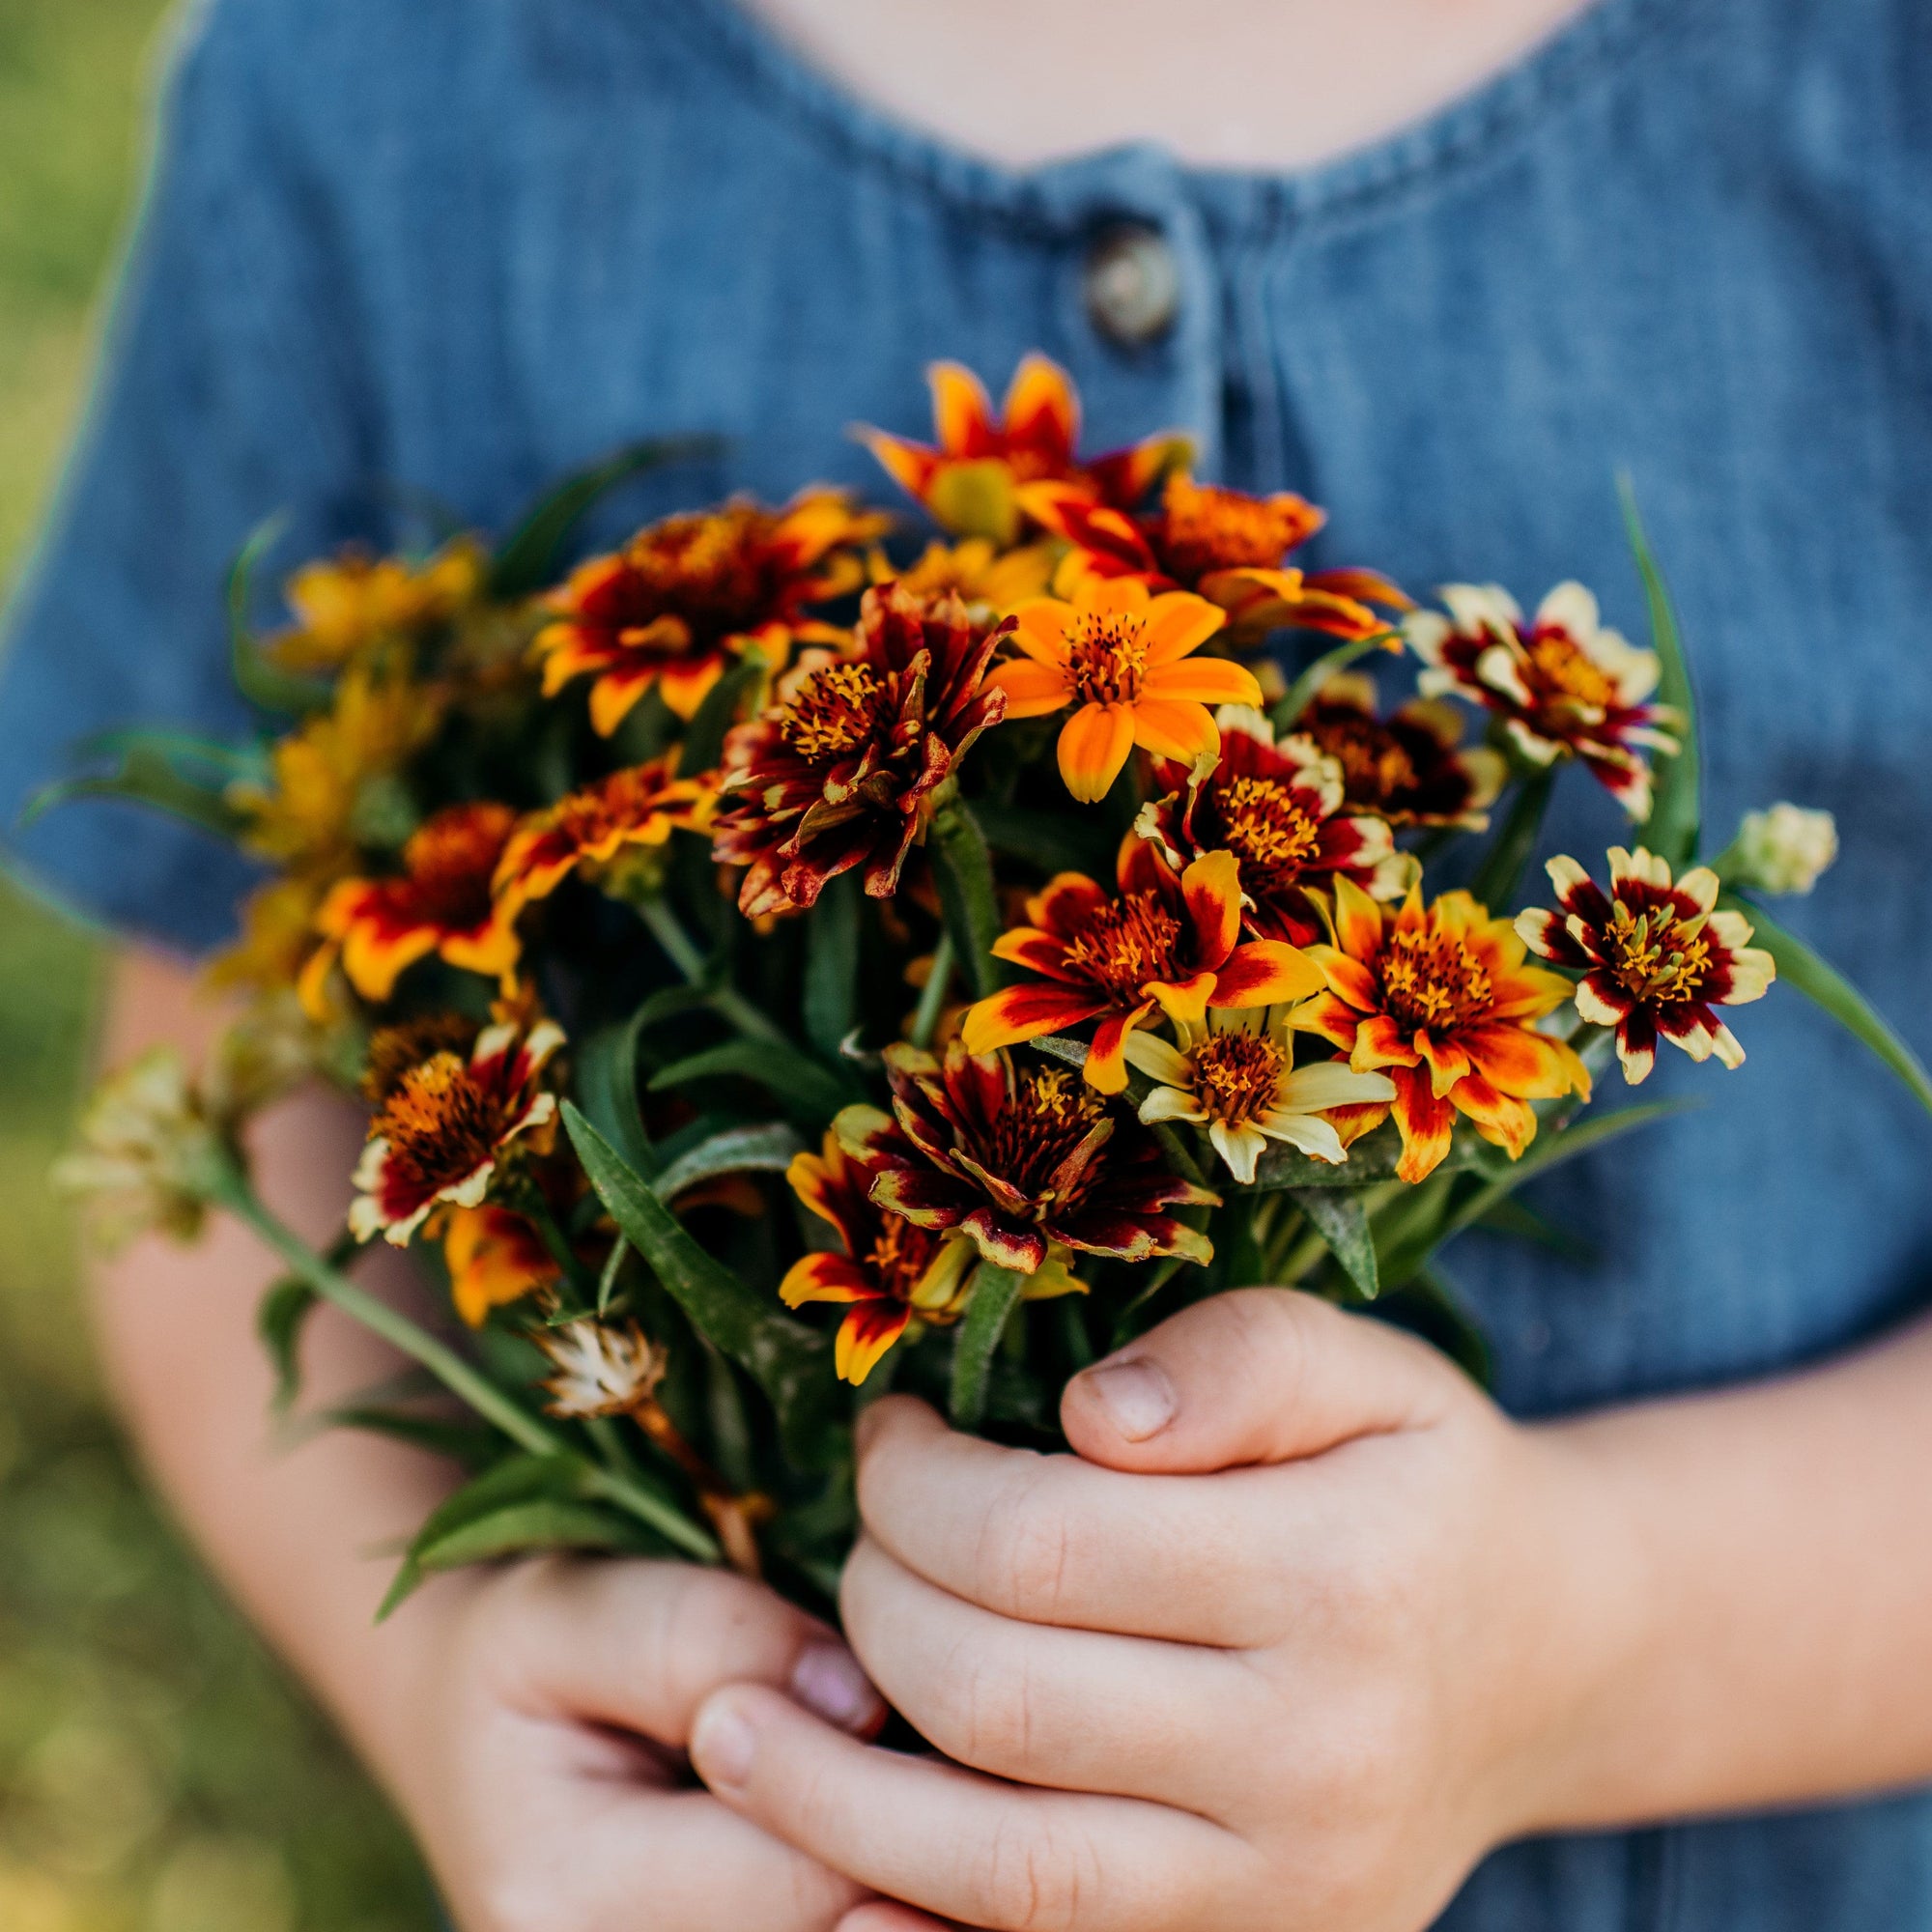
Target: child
[[1309, 1626]]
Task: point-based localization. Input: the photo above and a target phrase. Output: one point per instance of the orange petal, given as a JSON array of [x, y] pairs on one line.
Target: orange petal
[[1502, 1119], [1358, 920], [613, 696], [1033, 690], [1106, 1066], [1205, 681], [1379, 1041], [1266, 973], [1211, 887], [823, 1277], [1185, 1001], [865, 1334], [1445, 1059], [1531, 1066], [1039, 628], [1172, 729], [1041, 406], [1093, 747], [1017, 1014], [1425, 1124], [962, 413], [1178, 622]]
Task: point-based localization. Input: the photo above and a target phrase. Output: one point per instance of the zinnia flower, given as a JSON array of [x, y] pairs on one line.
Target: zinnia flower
[[1564, 686], [1279, 809], [1227, 546], [682, 596], [891, 1271], [970, 482], [441, 903], [146, 1149], [989, 581], [1024, 1161], [1654, 957], [1168, 943], [1237, 1077], [1122, 655], [841, 773], [1440, 998], [1786, 849], [632, 809], [1410, 768], [493, 1257], [352, 601], [447, 1126]]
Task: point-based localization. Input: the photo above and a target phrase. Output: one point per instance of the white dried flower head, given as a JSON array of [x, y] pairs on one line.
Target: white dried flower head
[[266, 1053], [601, 1368], [146, 1153], [1785, 849]]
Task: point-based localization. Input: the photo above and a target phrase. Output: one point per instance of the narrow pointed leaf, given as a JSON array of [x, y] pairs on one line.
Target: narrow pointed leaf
[[766, 1149], [147, 776], [1301, 693], [831, 964], [606, 1079], [809, 1093], [264, 683], [962, 868], [279, 1320], [996, 1293], [1338, 1215], [1671, 829]]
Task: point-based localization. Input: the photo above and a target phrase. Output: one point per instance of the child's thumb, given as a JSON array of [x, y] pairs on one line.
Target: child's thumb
[[1256, 1376]]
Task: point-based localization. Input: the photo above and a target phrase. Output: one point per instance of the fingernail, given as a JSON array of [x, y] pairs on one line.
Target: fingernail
[[1136, 1395], [827, 1680], [722, 1747]]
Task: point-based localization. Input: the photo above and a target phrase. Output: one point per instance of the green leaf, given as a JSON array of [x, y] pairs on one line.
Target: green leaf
[[704, 736], [152, 773], [1671, 829], [531, 559], [1825, 987], [786, 1359], [1425, 1307], [261, 681], [808, 1092], [831, 964], [766, 1149], [1523, 1223], [1050, 842], [1301, 693], [1499, 876], [607, 1088], [1372, 1158], [996, 1293], [962, 868], [279, 1319], [468, 1443], [1341, 1218]]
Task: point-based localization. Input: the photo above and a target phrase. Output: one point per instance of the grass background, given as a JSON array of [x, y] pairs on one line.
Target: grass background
[[158, 1773]]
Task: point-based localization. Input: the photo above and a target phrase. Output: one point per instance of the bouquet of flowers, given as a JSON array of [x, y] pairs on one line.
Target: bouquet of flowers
[[779, 963]]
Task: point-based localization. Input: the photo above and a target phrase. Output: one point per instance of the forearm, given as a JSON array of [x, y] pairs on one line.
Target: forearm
[[1774, 1622], [299, 1532]]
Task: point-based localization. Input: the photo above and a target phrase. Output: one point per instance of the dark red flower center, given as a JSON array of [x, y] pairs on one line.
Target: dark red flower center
[[835, 710], [1266, 826], [1127, 944], [1433, 983], [441, 1124], [1375, 766], [1203, 528], [1566, 669], [1051, 1111], [1106, 657], [899, 1255], [1237, 1075], [718, 570], [450, 861], [1657, 957]]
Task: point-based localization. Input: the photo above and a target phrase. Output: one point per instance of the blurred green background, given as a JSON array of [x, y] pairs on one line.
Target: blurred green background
[[158, 1773]]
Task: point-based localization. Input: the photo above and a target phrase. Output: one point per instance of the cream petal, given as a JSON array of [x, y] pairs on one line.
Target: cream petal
[[1724, 1046], [1316, 1138], [1573, 606], [1329, 1083], [1481, 607], [1239, 1147], [1170, 1103], [1158, 1059]]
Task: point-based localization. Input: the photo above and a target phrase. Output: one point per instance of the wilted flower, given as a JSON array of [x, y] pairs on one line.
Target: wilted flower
[[1440, 998], [447, 1123], [1786, 849], [1564, 686], [1654, 957], [441, 903], [493, 1257], [971, 481], [147, 1150], [352, 601], [1168, 943], [632, 809], [1280, 810], [841, 774], [891, 1271], [1022, 1160], [1123, 658], [1410, 768], [1237, 1077], [599, 1367], [1227, 546], [684, 596]]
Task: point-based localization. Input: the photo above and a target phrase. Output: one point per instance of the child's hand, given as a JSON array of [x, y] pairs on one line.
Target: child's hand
[[1308, 1693], [545, 1787]]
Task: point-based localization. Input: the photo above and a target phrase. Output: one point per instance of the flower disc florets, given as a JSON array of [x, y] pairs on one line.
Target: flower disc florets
[[1656, 957], [841, 771], [1410, 768], [1020, 1160]]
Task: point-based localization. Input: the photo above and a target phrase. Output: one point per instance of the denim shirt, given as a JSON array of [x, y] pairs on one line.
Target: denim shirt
[[458, 247]]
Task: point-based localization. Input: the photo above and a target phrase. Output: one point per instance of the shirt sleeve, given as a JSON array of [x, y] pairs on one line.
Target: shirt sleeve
[[227, 393]]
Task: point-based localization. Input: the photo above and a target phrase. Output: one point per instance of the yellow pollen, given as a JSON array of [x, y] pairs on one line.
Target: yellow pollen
[[1568, 670], [1050, 1113], [1106, 658], [1657, 958], [1374, 766], [898, 1256], [438, 1120], [836, 710], [1125, 945], [1265, 826], [1237, 1076], [1432, 980]]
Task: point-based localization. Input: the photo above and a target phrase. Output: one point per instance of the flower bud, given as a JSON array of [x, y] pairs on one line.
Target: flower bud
[[1783, 850]]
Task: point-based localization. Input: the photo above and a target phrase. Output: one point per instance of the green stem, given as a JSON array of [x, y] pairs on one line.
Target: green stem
[[607, 1282], [1501, 874], [963, 871], [233, 1192], [996, 1293], [1301, 693], [668, 929], [932, 995]]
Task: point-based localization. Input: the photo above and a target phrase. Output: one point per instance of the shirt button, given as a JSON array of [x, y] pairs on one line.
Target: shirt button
[[1132, 284]]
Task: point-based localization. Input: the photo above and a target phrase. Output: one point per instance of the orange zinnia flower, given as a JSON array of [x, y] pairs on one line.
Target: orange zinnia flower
[[351, 601], [1440, 998], [441, 904], [971, 481], [675, 604], [1122, 655], [1225, 545], [1168, 944], [638, 807], [494, 1256]]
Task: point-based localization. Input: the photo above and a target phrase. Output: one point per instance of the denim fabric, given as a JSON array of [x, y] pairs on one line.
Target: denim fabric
[[459, 246]]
